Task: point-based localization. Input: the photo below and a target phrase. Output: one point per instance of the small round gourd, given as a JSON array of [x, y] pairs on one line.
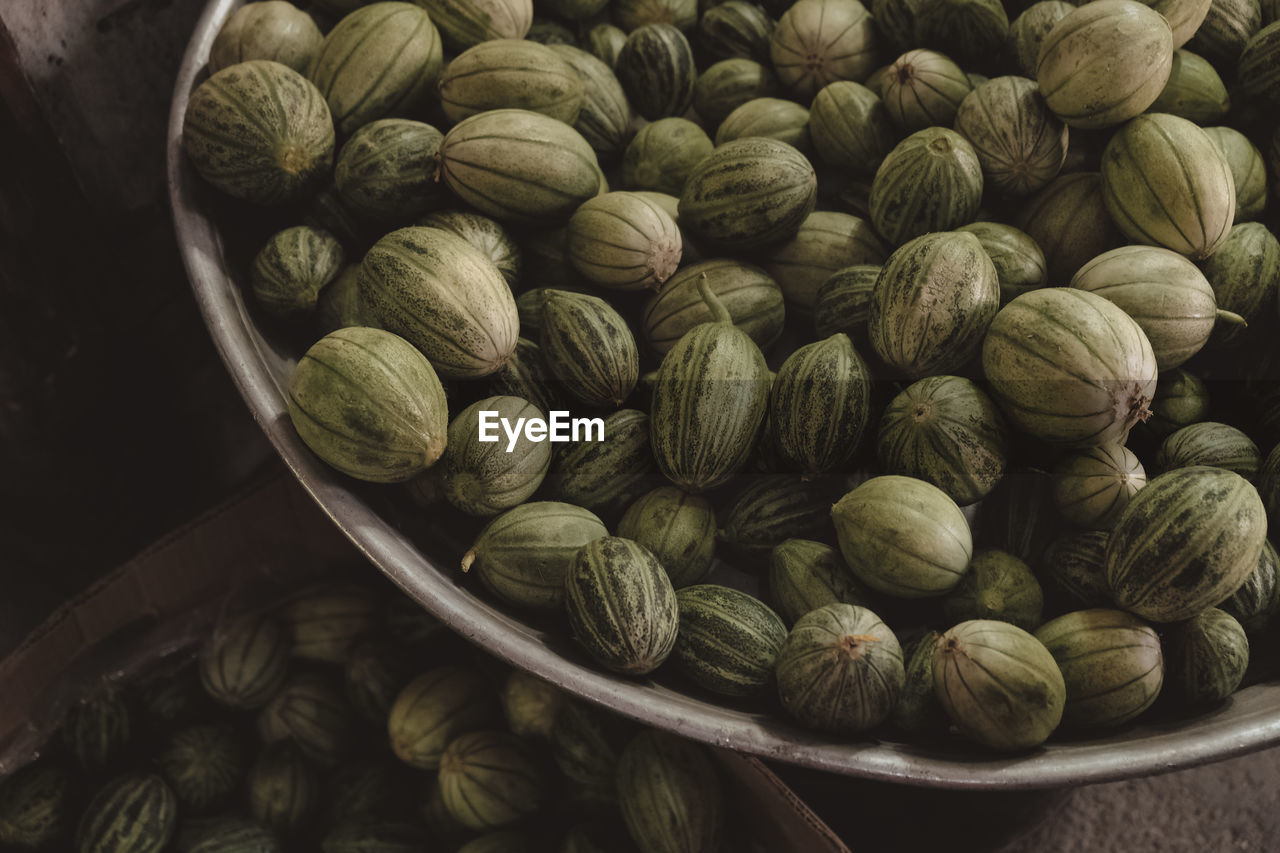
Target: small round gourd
[[273, 30], [817, 42], [97, 730], [679, 528], [663, 154], [670, 795], [805, 575], [494, 241], [729, 84], [589, 348], [728, 640], [931, 181], [750, 295], [1019, 262], [604, 475], [289, 272], [819, 404], [466, 23], [1194, 91], [1029, 30], [1092, 487], [1074, 570], [433, 709], [775, 507], [244, 662], [136, 812], [624, 241], [974, 32], [1068, 220], [1210, 443], [204, 765], [1245, 276], [35, 805], [1258, 598], [1019, 143], [386, 171], [490, 779], [775, 118], [1207, 658], [997, 586], [484, 471], [735, 29], [605, 118], [311, 711], [923, 88], [850, 127], [511, 74], [827, 241], [656, 69]]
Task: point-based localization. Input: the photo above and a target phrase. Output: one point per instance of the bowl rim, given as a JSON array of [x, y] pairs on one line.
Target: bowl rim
[[1249, 721]]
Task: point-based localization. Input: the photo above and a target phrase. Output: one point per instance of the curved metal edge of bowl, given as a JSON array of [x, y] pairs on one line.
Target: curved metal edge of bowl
[[1251, 720]]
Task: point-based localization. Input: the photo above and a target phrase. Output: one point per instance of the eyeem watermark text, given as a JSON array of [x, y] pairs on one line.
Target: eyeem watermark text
[[559, 427]]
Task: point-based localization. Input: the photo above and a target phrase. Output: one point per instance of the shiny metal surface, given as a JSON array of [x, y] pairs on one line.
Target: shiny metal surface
[[1250, 721]]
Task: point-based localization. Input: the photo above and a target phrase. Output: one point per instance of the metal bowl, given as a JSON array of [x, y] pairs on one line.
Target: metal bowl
[[260, 363]]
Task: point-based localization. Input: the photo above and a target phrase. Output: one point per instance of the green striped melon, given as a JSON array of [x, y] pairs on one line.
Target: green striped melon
[[850, 127], [752, 298], [519, 166], [918, 709], [204, 765], [930, 181], [805, 575], [1020, 144], [923, 88], [369, 404], [282, 788], [735, 29], [679, 528], [226, 835], [97, 730], [530, 704], [491, 779], [1227, 27], [1258, 598], [1019, 262], [135, 813], [511, 74], [827, 241], [386, 171], [436, 707], [728, 640], [589, 348], [35, 807], [772, 508], [1245, 276], [1068, 220], [998, 586], [272, 30], [974, 31], [1111, 663], [244, 662], [670, 795], [1091, 487], [1166, 184], [289, 272], [327, 619], [895, 24], [631, 15], [339, 304], [663, 154], [625, 241], [605, 42], [1074, 570], [1194, 91], [445, 297], [494, 241], [903, 537], [656, 69], [1069, 367], [311, 711], [586, 742], [819, 405], [817, 42], [843, 302], [749, 193], [606, 475], [1256, 68], [484, 471], [840, 670], [259, 131], [1185, 542], [1207, 658], [380, 61], [998, 684], [729, 84], [1100, 43], [776, 118], [1210, 443], [466, 23], [1029, 30], [621, 605], [605, 118], [522, 556], [1248, 171]]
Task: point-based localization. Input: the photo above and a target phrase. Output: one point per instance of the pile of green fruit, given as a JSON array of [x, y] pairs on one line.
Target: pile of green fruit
[[827, 275], [347, 721]]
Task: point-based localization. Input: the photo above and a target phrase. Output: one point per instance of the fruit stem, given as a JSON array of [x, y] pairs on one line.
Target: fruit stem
[[719, 314], [467, 559], [1225, 316]]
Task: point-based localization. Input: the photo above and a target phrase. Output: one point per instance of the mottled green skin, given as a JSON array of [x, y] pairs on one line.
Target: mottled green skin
[[930, 181], [519, 166], [1258, 598], [526, 375], [380, 61], [244, 663], [1111, 663], [805, 575], [34, 805], [624, 241], [843, 302], [226, 835], [819, 405], [97, 730], [973, 31], [817, 42], [511, 74], [826, 242], [850, 127], [750, 295], [1068, 219], [434, 708], [530, 704], [204, 765], [1181, 399], [1207, 657], [311, 711], [588, 348], [621, 605], [465, 23], [604, 476], [1074, 570], [679, 528], [605, 42], [327, 619], [483, 478], [999, 685], [1194, 91], [485, 234], [1209, 443], [1227, 27], [657, 71], [374, 836], [671, 796], [776, 118], [289, 272], [522, 556], [663, 154], [282, 788], [1069, 367], [997, 586], [923, 88], [259, 131], [728, 640], [1245, 276], [840, 670], [445, 297], [735, 29], [136, 813], [386, 171], [748, 193], [1029, 30], [1019, 143], [605, 118], [729, 84], [274, 30], [918, 710], [369, 404], [903, 537], [1257, 69], [773, 508], [1019, 262], [586, 742], [490, 779], [1091, 487], [1185, 542]]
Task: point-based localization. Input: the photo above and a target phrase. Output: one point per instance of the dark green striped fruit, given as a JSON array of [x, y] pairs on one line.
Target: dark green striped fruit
[[326, 620], [663, 154], [1181, 399], [930, 181], [136, 813], [840, 670], [679, 528], [491, 779], [671, 797], [311, 711], [226, 835], [1245, 276], [1111, 663], [1185, 542], [97, 730], [728, 640], [204, 765], [918, 709], [625, 241], [586, 742], [750, 295], [1227, 27], [291, 269], [975, 32], [818, 42], [729, 84], [465, 23], [735, 28], [589, 348], [1194, 91], [605, 475], [843, 302], [1209, 443], [819, 404], [850, 127], [826, 242], [776, 118], [903, 537], [511, 74], [1069, 367], [634, 14], [281, 789], [1258, 598], [656, 70], [1074, 570], [1092, 487], [275, 30], [776, 507], [530, 704], [522, 556], [932, 304], [923, 88], [605, 118], [34, 806], [485, 471], [1019, 262], [445, 297], [386, 171], [243, 663], [1256, 69], [998, 684], [805, 575], [494, 241], [1207, 657], [1029, 30], [997, 586], [1020, 144], [434, 708], [526, 375], [259, 131], [1068, 220], [622, 607]]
